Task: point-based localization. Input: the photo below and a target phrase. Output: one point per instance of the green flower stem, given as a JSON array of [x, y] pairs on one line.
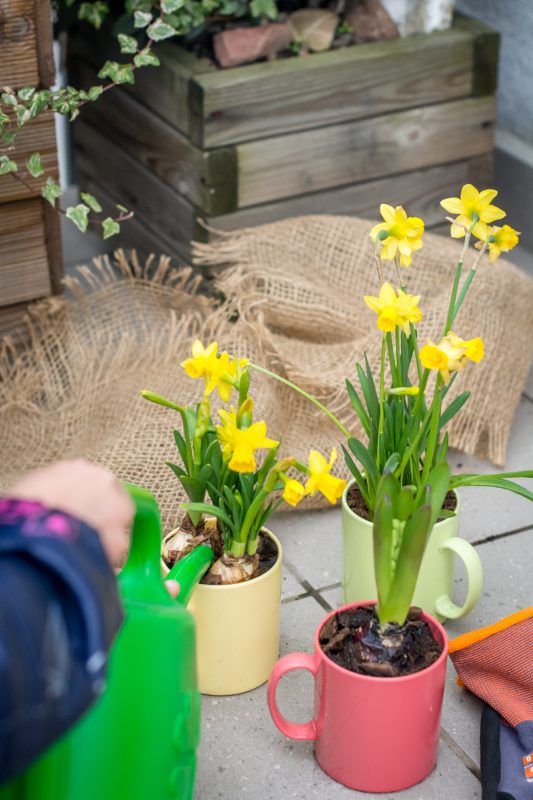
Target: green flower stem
[[336, 421], [458, 270], [237, 548], [433, 431], [381, 398], [412, 447], [414, 339], [254, 509], [462, 295], [394, 365]]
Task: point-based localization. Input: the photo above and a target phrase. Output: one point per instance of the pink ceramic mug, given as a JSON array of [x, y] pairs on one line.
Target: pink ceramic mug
[[371, 734]]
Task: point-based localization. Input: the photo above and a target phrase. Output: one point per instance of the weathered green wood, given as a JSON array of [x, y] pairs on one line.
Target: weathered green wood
[[155, 204], [298, 163], [263, 99], [420, 192], [486, 54], [207, 179]]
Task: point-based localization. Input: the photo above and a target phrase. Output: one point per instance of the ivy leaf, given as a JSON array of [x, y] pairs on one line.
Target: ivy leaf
[[94, 92], [123, 209], [34, 165], [110, 227], [264, 8], [79, 215], [23, 115], [9, 99], [91, 201], [159, 30], [51, 191], [7, 165], [118, 73], [168, 6], [26, 93], [146, 58], [141, 19], [128, 44], [95, 13], [4, 119]]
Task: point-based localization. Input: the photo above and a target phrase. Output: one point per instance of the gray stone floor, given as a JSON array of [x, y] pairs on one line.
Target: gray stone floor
[[242, 754]]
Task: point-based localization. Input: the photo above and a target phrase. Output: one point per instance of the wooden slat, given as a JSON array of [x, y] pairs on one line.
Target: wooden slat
[[163, 89], [135, 235], [352, 83], [420, 192], [155, 203], [44, 34], [18, 44], [23, 257], [207, 179], [298, 163], [36, 136]]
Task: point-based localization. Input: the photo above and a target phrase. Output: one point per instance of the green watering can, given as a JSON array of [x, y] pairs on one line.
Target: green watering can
[[138, 741]]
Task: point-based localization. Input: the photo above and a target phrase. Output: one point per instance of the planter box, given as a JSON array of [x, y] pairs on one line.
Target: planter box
[[407, 121], [30, 248]]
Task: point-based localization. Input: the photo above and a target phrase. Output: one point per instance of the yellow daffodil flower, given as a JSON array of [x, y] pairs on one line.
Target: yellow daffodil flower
[[219, 371], [394, 309], [293, 492], [403, 234], [451, 354], [472, 207], [239, 444], [320, 479], [500, 240]]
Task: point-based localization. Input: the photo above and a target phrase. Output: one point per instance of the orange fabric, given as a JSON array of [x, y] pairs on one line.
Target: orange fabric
[[475, 636], [496, 664]]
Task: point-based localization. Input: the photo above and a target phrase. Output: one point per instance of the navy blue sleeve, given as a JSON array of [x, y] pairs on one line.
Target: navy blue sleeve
[[59, 613]]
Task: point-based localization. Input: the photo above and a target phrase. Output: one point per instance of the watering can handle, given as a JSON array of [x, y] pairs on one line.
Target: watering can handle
[[141, 578]]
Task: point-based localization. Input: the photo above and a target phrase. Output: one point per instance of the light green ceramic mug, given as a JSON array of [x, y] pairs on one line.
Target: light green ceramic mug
[[434, 588]]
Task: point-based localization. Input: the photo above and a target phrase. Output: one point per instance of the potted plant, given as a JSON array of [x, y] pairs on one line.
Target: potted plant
[[379, 669], [404, 422], [237, 605]]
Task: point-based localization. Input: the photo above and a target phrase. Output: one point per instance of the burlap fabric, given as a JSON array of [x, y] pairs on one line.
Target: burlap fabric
[[293, 301]]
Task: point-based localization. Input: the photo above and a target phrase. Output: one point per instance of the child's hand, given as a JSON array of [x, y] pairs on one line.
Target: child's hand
[[87, 491]]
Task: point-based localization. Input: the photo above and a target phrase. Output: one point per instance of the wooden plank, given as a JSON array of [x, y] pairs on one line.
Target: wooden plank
[[18, 44], [261, 100], [11, 322], [163, 89], [125, 179], [45, 45], [338, 155], [420, 192], [486, 54], [54, 250], [39, 135], [134, 234], [23, 257], [206, 179]]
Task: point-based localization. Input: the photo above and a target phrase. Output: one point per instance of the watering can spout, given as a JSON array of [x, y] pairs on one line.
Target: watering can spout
[[141, 579]]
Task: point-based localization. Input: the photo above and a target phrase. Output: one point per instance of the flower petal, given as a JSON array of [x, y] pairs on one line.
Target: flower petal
[[453, 205], [387, 212]]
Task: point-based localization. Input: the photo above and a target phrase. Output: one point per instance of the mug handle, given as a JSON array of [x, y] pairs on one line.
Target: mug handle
[[470, 558], [307, 730]]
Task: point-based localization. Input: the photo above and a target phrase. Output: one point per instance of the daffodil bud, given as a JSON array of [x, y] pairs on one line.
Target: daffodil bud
[[244, 414], [382, 235], [402, 391]]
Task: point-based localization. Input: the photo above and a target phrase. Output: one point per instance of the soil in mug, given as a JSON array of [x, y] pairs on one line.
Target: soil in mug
[[353, 640], [267, 551], [355, 501]]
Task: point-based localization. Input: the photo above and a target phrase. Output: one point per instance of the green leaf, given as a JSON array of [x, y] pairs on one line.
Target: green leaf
[[358, 407], [491, 481], [168, 6], [264, 8], [91, 201], [51, 191], [205, 508], [34, 165], [146, 58], [118, 73], [23, 115], [179, 471], [439, 481], [383, 546], [365, 457], [350, 463], [9, 99], [453, 408], [26, 93], [7, 165], [128, 44], [141, 19], [122, 208], [182, 448], [110, 227], [95, 12], [159, 31], [94, 92], [79, 215]]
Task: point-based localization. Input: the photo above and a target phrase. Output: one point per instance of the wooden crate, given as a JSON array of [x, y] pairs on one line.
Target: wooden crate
[[30, 248], [404, 121]]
